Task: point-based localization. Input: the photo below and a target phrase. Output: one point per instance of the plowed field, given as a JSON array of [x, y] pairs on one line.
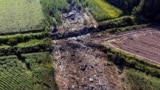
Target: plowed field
[[144, 43]]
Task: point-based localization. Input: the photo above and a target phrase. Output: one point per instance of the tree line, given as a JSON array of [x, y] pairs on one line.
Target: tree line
[[147, 9]]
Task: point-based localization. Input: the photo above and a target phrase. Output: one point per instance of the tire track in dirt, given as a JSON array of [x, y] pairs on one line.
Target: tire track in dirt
[[142, 43]]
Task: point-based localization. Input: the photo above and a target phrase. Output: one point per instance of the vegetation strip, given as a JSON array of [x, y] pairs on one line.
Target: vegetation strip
[[15, 75], [121, 59]]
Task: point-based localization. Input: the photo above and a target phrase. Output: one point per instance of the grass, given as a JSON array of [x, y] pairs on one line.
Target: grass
[[33, 73], [13, 74], [21, 32], [102, 10], [31, 43], [118, 22], [112, 11], [126, 28], [20, 15], [137, 74], [136, 80], [4, 46], [125, 60], [17, 38]]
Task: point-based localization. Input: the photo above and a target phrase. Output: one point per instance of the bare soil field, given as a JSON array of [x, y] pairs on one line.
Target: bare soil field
[[144, 43]]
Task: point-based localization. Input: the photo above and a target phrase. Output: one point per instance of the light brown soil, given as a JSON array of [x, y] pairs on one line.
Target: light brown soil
[[143, 42]]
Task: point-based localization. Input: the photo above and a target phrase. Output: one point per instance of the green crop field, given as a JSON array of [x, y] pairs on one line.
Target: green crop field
[[20, 15], [32, 73], [102, 10]]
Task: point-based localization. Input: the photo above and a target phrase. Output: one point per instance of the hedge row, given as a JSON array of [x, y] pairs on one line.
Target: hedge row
[[127, 28], [124, 60], [17, 38], [118, 22], [33, 45]]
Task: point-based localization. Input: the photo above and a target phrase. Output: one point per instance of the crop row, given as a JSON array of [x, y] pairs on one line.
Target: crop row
[[19, 76], [20, 16]]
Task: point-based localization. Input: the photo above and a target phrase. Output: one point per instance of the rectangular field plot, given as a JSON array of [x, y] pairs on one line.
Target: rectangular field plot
[[29, 72], [20, 15], [102, 10], [144, 43]]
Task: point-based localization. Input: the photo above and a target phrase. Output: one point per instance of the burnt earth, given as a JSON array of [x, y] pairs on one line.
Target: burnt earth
[[79, 67]]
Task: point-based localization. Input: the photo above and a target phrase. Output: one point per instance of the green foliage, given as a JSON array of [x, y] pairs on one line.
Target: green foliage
[[137, 10], [32, 74], [140, 81], [5, 49], [126, 28], [13, 75], [21, 30], [20, 16], [52, 8], [125, 60], [145, 9], [33, 45], [17, 38], [118, 22]]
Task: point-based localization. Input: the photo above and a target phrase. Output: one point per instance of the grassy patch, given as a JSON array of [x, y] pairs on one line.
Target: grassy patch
[[34, 45], [13, 74], [17, 38], [52, 10], [118, 22], [123, 29], [136, 80], [20, 15], [102, 10], [31, 43]]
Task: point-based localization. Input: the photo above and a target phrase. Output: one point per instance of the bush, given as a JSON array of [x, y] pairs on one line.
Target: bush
[[33, 45], [52, 8], [126, 60], [118, 22], [14, 39], [140, 81]]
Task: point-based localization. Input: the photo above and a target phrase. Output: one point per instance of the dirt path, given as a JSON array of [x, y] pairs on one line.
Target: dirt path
[[79, 67]]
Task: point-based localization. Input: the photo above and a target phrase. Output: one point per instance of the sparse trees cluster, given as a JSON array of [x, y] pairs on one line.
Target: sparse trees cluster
[[123, 60], [52, 9]]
